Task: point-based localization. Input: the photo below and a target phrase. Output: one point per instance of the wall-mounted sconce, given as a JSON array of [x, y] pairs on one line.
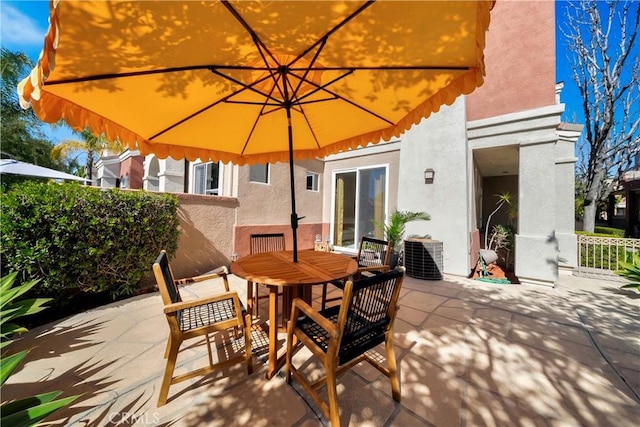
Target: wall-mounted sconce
[[428, 176]]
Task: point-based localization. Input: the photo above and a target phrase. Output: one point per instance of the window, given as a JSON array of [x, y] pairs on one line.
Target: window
[[259, 173], [359, 201], [312, 181], [207, 178]]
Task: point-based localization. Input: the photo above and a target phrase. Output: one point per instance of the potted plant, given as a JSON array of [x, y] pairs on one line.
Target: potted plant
[[394, 230], [489, 255], [501, 242]]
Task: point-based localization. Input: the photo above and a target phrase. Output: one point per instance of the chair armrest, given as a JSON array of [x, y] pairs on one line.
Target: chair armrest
[[382, 268], [218, 272], [314, 315], [176, 306]]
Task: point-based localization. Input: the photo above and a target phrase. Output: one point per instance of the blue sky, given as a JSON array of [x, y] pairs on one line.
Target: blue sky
[[24, 23]]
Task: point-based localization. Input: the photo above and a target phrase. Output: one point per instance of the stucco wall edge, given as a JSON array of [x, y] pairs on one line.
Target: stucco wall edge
[[520, 116]]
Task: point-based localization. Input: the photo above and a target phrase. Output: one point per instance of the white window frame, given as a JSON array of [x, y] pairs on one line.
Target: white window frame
[[207, 191], [267, 174], [357, 213], [315, 181]]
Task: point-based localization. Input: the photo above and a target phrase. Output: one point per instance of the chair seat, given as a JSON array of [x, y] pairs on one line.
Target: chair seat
[[197, 317], [207, 314], [367, 336], [342, 336]]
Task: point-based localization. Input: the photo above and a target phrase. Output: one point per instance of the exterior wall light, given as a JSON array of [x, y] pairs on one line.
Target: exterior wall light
[[428, 176]]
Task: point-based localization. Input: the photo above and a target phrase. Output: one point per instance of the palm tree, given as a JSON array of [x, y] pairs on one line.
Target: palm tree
[[88, 143]]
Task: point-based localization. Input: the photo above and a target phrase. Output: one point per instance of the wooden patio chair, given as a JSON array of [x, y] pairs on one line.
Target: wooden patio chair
[[260, 243], [373, 258], [194, 318], [341, 335]]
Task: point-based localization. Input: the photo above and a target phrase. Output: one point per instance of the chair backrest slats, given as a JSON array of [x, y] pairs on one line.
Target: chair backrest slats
[[373, 302], [166, 279], [260, 243], [373, 252]]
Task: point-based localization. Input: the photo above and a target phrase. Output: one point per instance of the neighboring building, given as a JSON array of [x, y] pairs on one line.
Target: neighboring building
[[626, 213], [506, 136], [124, 170]]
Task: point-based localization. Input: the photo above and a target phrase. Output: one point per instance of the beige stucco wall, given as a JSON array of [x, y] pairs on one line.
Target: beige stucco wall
[[379, 155], [266, 208], [271, 203], [206, 233]]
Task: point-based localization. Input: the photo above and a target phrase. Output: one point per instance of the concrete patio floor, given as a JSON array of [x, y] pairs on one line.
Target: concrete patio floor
[[470, 354]]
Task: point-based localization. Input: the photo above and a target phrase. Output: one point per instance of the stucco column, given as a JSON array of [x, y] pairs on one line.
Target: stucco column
[[171, 175], [536, 242], [439, 143], [565, 206]]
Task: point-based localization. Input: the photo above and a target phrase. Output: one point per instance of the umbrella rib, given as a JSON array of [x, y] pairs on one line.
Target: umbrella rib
[[324, 38], [360, 107], [255, 123], [200, 111], [307, 70], [264, 59], [391, 68], [259, 43], [237, 67], [151, 72], [336, 96], [247, 86], [260, 46], [324, 86], [309, 126]]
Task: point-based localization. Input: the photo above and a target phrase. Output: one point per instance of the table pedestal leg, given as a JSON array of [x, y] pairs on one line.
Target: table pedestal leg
[[288, 294], [273, 331]]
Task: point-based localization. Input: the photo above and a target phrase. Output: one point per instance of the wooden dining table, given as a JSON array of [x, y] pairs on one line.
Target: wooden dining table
[[276, 269]]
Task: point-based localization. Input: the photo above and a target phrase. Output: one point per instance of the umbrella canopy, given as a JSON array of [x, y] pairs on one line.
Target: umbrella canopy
[[14, 167], [255, 81]]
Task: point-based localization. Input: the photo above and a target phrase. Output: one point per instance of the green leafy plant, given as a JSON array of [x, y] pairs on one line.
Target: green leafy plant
[[11, 309], [84, 240], [503, 198], [631, 271], [27, 411], [395, 226], [502, 241]]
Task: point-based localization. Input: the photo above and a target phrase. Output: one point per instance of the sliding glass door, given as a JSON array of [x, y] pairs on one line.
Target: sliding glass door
[[359, 201]]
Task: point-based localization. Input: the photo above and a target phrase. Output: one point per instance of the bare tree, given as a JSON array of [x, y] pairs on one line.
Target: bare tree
[[603, 53]]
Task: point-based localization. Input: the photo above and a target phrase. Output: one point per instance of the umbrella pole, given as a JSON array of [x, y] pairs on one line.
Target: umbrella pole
[[294, 215]]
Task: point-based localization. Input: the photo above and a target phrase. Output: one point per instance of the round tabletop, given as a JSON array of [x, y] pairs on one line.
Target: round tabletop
[[278, 268]]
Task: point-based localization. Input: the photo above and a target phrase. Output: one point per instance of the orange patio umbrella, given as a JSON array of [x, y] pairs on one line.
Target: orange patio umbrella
[[254, 81]]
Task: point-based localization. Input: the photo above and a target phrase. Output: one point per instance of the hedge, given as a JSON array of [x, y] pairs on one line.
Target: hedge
[[83, 239], [604, 232]]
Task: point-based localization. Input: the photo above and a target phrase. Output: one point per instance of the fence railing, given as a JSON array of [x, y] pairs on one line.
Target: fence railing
[[599, 257]]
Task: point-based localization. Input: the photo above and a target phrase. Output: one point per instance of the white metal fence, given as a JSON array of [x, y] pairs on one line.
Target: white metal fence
[[599, 257]]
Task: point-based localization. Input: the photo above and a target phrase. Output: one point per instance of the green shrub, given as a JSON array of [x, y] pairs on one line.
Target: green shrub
[[594, 234], [609, 231], [604, 232], [83, 239]]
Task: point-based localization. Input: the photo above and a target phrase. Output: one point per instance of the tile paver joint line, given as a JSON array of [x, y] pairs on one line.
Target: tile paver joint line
[[604, 356], [577, 316]]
